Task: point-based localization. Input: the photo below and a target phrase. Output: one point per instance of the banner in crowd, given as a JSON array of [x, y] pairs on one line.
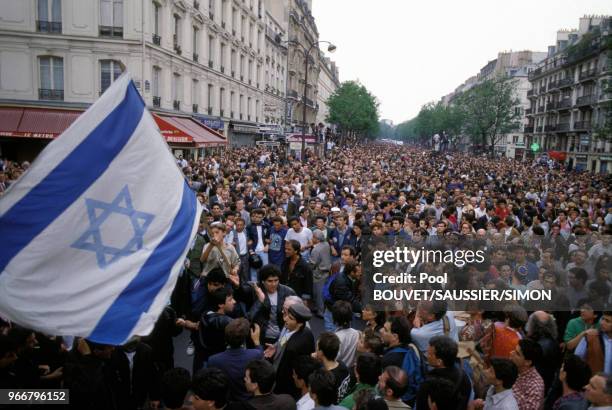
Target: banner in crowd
[[95, 233]]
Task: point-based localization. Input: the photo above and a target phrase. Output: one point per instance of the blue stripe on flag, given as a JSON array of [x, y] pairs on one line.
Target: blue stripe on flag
[[70, 178], [121, 317]]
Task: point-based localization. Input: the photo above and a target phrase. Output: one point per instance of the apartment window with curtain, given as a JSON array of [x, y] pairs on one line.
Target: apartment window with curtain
[[176, 33], [110, 70], [210, 98], [155, 87], [222, 62], [51, 70], [111, 18], [156, 17], [211, 51], [232, 103], [49, 16], [249, 108], [233, 63], [195, 97], [221, 98], [195, 44], [176, 91], [241, 107]]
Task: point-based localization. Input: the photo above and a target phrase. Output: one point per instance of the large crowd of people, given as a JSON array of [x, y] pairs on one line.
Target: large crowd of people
[[274, 301]]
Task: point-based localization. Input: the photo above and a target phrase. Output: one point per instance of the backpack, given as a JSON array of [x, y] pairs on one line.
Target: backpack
[[415, 366], [326, 292]]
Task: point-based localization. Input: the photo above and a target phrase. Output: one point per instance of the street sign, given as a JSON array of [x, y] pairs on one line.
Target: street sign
[[535, 147]]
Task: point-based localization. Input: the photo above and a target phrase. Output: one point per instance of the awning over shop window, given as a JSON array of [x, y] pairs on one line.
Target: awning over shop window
[[182, 130], [35, 122]]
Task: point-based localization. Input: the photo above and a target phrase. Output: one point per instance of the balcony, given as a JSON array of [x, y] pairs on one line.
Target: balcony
[[221, 113], [530, 93], [50, 94], [49, 26], [564, 104], [549, 128], [156, 40], [542, 90], [552, 85], [550, 106], [222, 69], [585, 100], [563, 127], [292, 93], [582, 125], [588, 75], [195, 57], [539, 128], [209, 111], [156, 102], [196, 5], [109, 31], [540, 109], [176, 105], [566, 82], [194, 108], [528, 111]]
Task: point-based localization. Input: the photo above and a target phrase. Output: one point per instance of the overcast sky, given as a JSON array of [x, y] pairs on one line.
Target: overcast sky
[[410, 52]]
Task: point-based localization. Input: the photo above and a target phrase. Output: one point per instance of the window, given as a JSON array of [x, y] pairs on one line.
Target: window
[[232, 103], [210, 98], [233, 62], [222, 62], [195, 43], [49, 16], [176, 31], [195, 98], [249, 108], [221, 97], [211, 50], [155, 88], [211, 9], [156, 37], [176, 88], [110, 70], [241, 107], [111, 18], [51, 78], [257, 110]]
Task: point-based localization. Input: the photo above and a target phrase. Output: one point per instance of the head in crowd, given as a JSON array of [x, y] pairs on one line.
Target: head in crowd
[[237, 332], [440, 393], [175, 383], [599, 390], [526, 355], [223, 300], [296, 316], [396, 331], [259, 377], [442, 352], [502, 373], [342, 314], [303, 367], [328, 346], [215, 279], [430, 311], [269, 275], [323, 387], [210, 390], [368, 369], [541, 325], [575, 373], [516, 316], [393, 383], [370, 341]]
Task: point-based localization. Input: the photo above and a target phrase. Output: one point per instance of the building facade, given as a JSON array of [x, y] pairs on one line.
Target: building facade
[[199, 59], [568, 98], [275, 72], [329, 82]]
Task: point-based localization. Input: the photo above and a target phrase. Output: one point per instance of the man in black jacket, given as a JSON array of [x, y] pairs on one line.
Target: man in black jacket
[[136, 376], [442, 357], [296, 340], [267, 309], [296, 272], [346, 286]]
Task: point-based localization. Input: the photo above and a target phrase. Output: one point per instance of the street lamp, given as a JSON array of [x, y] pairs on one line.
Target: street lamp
[[306, 51]]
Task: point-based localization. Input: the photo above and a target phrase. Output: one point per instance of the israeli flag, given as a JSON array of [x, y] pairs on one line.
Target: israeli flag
[[94, 234]]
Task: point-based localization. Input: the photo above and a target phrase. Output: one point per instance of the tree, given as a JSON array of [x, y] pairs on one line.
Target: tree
[[489, 111], [433, 118], [354, 109], [385, 130]]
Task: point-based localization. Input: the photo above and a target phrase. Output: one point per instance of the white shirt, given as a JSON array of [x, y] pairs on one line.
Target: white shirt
[[303, 237], [242, 242], [260, 241], [305, 403]]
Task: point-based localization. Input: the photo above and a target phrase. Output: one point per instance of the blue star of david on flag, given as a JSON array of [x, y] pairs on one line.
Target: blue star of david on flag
[[98, 212]]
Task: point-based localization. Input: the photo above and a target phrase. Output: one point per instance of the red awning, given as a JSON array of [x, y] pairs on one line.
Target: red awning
[[187, 131], [35, 122]]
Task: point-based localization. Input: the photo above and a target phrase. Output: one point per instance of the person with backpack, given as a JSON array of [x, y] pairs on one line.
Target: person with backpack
[[341, 286], [402, 353]]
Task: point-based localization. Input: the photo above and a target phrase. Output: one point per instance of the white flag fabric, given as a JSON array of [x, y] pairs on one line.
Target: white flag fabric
[[94, 234]]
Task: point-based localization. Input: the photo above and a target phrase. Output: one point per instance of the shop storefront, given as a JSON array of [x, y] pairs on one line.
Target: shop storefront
[[243, 134], [189, 138], [26, 131], [294, 144]]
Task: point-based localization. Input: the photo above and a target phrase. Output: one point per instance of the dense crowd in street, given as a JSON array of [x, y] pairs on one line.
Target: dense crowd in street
[[282, 242]]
